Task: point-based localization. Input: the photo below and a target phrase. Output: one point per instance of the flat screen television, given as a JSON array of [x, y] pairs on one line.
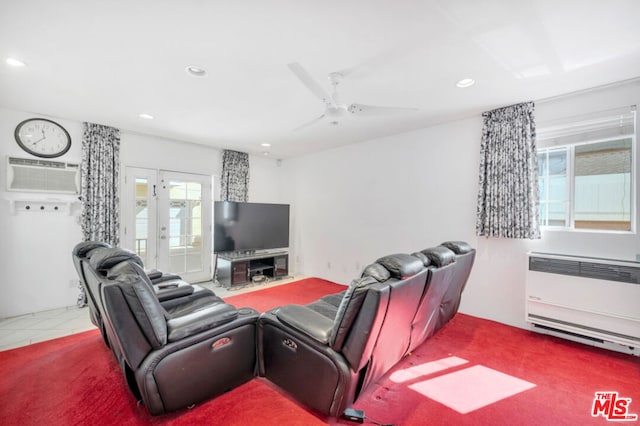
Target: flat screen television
[[244, 227]]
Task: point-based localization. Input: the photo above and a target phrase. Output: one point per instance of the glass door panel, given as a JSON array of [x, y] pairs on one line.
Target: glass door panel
[[188, 250], [140, 229]]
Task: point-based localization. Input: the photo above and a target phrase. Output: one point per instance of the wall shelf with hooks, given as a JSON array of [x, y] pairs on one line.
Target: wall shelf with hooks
[[69, 207]]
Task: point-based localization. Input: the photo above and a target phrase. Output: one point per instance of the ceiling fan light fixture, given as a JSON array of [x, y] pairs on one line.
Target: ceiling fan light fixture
[[465, 82], [196, 71], [15, 62]]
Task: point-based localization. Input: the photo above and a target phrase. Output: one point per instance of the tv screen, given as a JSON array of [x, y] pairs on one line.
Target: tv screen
[[249, 226]]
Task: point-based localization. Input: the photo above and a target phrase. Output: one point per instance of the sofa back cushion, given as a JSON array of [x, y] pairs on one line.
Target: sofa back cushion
[[465, 256], [349, 309], [394, 333], [142, 301], [441, 269]]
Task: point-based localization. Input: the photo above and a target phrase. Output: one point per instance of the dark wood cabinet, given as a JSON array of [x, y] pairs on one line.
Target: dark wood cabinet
[[233, 270], [281, 266], [239, 271]]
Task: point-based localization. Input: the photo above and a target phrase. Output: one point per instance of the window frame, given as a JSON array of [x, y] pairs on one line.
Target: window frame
[[570, 173]]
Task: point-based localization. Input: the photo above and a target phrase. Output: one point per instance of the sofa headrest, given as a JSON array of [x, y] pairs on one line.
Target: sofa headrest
[[106, 258], [401, 265], [440, 256], [81, 249], [424, 259], [377, 272], [458, 247]]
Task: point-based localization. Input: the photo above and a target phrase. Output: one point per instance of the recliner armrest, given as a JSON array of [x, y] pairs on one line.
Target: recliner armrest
[[200, 320], [172, 289], [306, 321]]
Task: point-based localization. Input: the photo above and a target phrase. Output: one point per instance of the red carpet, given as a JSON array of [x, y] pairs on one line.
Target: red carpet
[[75, 380], [300, 292]]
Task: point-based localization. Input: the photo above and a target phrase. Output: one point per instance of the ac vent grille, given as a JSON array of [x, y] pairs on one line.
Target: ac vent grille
[[31, 175], [620, 273], [582, 326], [554, 266], [601, 271]]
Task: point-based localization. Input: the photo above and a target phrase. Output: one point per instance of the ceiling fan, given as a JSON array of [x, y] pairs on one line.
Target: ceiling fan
[[334, 109]]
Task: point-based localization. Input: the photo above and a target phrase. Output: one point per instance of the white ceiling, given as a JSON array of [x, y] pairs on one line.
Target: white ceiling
[[108, 61]]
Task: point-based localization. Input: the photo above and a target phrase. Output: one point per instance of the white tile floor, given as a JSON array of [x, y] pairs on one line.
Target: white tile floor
[[40, 326]]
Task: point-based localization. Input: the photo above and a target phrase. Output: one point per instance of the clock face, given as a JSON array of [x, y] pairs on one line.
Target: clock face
[[42, 137]]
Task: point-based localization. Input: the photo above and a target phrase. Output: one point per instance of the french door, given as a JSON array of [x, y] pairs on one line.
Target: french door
[[168, 221]]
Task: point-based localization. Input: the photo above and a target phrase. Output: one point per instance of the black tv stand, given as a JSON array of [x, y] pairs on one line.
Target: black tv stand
[[236, 268]]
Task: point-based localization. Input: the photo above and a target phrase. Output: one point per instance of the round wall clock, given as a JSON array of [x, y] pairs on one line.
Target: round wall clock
[[42, 137]]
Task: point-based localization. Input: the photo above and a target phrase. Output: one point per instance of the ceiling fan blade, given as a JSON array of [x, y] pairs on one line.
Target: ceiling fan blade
[[311, 84], [360, 109], [310, 123]]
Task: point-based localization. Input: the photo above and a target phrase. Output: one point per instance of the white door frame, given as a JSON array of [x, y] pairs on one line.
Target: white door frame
[[158, 252]]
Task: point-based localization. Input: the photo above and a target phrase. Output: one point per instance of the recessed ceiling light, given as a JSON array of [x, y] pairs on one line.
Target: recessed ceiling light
[[196, 71], [146, 116], [15, 62], [267, 145], [465, 82], [265, 153]]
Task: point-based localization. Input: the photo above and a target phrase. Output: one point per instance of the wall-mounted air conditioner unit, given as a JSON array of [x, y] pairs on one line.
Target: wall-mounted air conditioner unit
[[34, 175], [589, 300]]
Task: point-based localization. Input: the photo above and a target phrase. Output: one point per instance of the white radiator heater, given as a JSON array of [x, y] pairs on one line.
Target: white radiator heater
[[588, 300]]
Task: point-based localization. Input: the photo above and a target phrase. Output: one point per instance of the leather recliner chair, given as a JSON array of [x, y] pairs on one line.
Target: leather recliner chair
[[174, 295], [325, 357], [172, 360]]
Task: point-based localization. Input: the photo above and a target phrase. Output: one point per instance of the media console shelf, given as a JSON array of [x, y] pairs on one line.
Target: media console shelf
[[237, 269]]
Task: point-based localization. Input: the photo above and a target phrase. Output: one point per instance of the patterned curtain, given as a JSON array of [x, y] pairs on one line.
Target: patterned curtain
[[235, 176], [100, 218], [508, 194]]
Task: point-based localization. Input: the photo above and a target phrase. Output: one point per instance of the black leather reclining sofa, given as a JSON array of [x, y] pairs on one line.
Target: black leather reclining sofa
[[176, 346], [183, 346], [326, 353]]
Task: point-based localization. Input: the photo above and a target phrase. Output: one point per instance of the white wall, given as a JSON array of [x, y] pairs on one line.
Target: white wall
[[35, 248], [411, 191], [138, 150], [349, 207]]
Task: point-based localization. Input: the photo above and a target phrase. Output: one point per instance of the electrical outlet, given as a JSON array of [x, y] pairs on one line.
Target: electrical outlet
[[73, 283], [328, 265]]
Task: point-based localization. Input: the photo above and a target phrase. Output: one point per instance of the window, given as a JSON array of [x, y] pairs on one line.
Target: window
[[586, 174], [554, 194]]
